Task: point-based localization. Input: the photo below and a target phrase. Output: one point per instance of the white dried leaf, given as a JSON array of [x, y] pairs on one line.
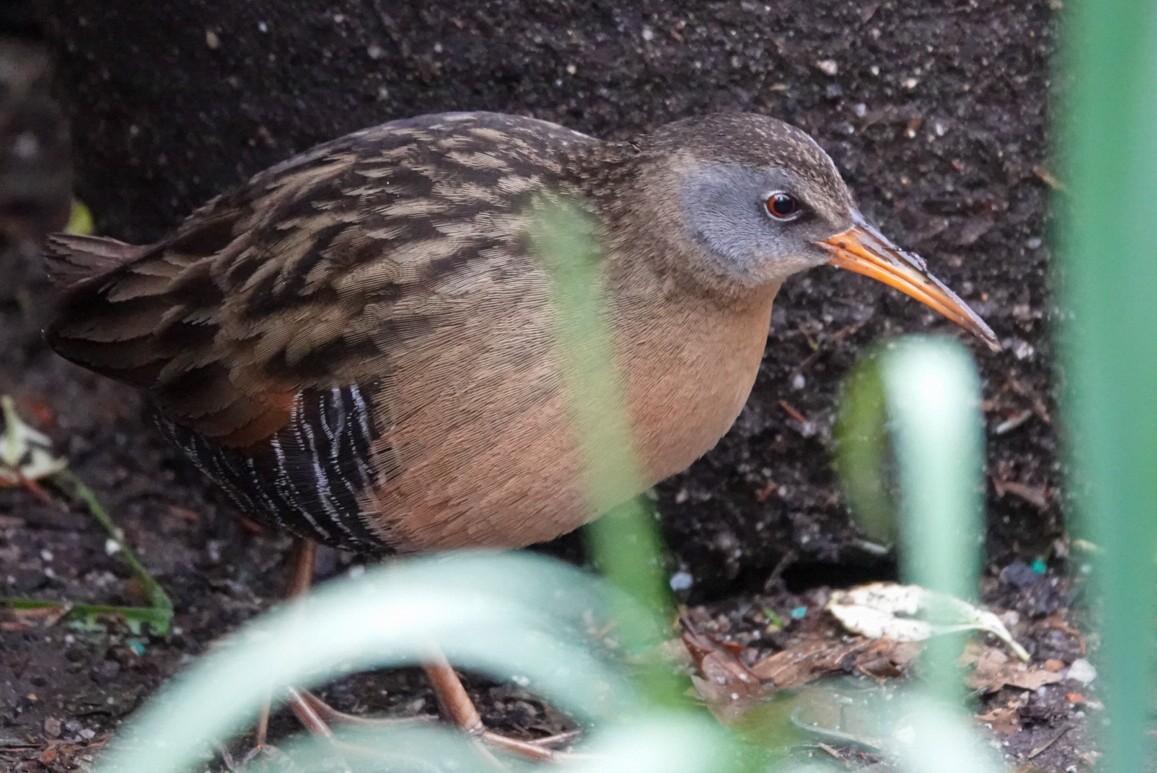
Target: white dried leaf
[[912, 613]]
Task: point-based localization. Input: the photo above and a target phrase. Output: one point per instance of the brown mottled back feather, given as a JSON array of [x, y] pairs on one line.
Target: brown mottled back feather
[[293, 280]]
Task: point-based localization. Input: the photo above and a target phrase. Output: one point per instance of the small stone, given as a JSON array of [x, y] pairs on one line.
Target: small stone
[[648, 34], [211, 40], [52, 727], [1022, 349], [681, 581], [827, 66], [1082, 671]]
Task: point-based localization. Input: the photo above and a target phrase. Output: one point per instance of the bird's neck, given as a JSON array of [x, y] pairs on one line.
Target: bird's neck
[[688, 344]]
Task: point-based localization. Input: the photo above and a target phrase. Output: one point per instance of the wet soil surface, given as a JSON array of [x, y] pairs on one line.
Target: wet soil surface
[[935, 112]]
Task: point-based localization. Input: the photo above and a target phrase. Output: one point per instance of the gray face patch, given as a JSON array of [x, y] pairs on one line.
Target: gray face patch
[[724, 208]]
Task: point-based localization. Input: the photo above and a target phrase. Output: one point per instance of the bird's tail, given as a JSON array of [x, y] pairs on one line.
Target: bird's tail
[[72, 258]]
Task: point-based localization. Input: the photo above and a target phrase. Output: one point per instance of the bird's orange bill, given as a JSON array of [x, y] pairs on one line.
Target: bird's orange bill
[[866, 251]]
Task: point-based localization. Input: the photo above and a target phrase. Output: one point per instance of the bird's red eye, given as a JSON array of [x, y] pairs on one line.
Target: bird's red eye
[[782, 206]]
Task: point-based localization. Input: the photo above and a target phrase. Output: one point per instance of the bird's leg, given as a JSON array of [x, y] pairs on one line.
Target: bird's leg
[[316, 715], [453, 700], [457, 707], [299, 582]]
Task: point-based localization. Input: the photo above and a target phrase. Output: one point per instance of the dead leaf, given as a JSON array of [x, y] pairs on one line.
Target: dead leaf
[[993, 670], [812, 658], [728, 687], [1002, 720], [912, 613]]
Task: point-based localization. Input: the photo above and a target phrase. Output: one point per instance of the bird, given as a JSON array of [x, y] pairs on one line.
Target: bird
[[357, 344]]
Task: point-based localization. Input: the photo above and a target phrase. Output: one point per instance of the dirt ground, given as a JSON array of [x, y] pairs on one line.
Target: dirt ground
[[936, 113]]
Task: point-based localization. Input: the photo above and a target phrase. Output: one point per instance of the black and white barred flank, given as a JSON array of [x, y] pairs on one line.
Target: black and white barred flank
[[310, 478]]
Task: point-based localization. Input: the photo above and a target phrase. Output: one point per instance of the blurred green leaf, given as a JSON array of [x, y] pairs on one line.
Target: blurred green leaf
[[1109, 289], [862, 456]]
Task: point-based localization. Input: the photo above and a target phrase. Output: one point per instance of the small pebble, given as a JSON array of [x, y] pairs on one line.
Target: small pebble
[[681, 581], [1022, 349], [1082, 671], [827, 66]]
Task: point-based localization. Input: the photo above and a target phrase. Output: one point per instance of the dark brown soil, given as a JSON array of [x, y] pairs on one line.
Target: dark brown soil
[[936, 113]]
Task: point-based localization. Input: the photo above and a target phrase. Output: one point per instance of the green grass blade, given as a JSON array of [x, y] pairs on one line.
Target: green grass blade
[[1109, 285], [625, 541]]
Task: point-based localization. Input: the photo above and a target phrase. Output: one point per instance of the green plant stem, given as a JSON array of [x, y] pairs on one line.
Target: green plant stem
[[1109, 142], [625, 541]]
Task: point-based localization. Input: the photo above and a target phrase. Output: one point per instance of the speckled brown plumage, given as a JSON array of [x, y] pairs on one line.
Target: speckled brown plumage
[[357, 343]]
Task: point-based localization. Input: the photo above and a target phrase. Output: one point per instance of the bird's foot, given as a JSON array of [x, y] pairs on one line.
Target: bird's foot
[[318, 717]]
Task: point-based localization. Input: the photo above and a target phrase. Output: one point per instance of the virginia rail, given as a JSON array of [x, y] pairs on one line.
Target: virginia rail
[[356, 343]]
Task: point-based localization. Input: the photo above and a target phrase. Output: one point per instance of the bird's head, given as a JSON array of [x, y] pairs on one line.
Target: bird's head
[[761, 201]]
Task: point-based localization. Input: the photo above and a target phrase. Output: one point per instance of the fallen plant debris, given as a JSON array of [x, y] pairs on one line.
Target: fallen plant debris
[[26, 459], [992, 670], [829, 689], [25, 453], [911, 613]]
